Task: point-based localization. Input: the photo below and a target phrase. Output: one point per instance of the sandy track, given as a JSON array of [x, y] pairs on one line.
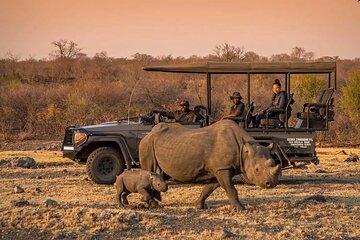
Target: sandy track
[[88, 211]]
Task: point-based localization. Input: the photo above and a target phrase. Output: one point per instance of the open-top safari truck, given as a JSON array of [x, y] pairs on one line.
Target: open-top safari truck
[[110, 147]]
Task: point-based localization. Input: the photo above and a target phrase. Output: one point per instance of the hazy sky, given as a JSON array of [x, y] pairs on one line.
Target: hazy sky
[[180, 27]]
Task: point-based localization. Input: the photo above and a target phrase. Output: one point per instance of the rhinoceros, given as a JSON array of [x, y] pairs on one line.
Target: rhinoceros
[[139, 181], [217, 152]]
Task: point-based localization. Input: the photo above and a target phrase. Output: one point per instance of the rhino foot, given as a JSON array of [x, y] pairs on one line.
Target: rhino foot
[[124, 201], [200, 205], [238, 208], [153, 203]]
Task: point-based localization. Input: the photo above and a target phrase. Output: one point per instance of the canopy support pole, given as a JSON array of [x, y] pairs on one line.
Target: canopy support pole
[[208, 95], [248, 90]]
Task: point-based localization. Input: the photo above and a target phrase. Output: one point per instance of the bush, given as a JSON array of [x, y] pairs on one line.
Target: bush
[[308, 87], [350, 101]]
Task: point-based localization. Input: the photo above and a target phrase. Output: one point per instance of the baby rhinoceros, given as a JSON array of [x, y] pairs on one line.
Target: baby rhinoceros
[[139, 181]]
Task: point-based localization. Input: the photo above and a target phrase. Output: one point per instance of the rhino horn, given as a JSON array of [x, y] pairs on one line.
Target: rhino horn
[[275, 170]]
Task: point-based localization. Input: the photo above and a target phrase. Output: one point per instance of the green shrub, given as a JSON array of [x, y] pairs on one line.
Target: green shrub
[[350, 101], [308, 87]]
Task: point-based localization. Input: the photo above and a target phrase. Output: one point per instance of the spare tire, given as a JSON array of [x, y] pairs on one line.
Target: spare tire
[[104, 164]]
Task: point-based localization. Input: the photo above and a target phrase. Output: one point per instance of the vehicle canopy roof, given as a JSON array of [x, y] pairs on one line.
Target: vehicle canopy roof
[[247, 67]]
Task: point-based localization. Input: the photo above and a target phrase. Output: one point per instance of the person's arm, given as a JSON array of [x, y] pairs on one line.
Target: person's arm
[[271, 105], [238, 112], [163, 113]]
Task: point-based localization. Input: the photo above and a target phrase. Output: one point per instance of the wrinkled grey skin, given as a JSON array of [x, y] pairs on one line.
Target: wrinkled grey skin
[[139, 181], [217, 152]]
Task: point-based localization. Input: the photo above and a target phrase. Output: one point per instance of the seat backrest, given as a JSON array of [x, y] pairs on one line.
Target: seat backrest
[[325, 95], [325, 98], [200, 111], [245, 116], [288, 108], [247, 111]]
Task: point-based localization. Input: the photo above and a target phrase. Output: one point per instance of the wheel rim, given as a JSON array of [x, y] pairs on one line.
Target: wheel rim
[[106, 166]]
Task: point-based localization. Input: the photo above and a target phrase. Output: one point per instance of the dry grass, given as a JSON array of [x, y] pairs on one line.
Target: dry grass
[[41, 157], [88, 211]]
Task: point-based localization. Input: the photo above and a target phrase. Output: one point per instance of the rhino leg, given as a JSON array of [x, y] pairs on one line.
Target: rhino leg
[[124, 199], [146, 196], [119, 192], [118, 199], [225, 179], [156, 194], [207, 190]]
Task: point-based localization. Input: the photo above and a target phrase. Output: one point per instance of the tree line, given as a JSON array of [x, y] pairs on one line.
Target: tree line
[[39, 98]]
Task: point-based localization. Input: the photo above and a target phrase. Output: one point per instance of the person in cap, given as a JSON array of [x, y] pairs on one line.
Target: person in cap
[[237, 109], [183, 114]]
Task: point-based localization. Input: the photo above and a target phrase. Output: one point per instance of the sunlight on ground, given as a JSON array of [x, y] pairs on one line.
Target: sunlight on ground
[[42, 157]]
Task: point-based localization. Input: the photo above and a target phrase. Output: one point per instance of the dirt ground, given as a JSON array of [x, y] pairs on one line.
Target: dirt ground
[[88, 211]]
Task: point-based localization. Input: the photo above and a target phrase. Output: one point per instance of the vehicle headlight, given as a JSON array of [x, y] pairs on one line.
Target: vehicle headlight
[[80, 137]]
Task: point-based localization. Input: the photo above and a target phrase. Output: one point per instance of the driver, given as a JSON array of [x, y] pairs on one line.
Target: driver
[[184, 114]]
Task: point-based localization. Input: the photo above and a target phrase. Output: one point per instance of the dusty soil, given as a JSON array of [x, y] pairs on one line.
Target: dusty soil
[[88, 211]]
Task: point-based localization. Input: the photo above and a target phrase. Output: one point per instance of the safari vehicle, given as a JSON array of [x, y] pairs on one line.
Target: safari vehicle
[[110, 147]]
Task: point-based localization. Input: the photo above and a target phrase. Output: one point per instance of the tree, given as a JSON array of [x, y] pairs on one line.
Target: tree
[[229, 53], [350, 101], [299, 53], [141, 57], [251, 57], [282, 57], [66, 49]]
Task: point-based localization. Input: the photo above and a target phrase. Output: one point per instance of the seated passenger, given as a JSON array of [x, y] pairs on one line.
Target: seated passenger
[[237, 109], [184, 114], [278, 101]]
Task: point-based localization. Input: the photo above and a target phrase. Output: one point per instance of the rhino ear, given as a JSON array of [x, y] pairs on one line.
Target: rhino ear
[[152, 176], [248, 146], [270, 146]]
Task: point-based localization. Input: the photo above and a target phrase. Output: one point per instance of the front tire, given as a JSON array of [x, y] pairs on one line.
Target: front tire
[[104, 164]]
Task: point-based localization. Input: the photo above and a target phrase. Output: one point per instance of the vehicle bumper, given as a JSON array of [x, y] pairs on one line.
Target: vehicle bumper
[[70, 152]]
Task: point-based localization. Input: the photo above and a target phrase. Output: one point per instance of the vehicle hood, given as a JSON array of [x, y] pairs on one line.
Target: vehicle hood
[[111, 127]]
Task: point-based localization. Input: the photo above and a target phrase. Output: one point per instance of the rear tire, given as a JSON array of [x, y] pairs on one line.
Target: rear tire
[[104, 164]]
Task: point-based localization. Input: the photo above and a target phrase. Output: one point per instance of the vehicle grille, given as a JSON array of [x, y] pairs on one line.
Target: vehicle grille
[[68, 139]]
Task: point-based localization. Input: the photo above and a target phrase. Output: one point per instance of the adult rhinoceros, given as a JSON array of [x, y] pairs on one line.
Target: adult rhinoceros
[[217, 152]]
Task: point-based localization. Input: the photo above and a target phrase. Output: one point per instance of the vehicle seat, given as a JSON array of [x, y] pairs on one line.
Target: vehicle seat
[[320, 110], [245, 117], [200, 112], [281, 120]]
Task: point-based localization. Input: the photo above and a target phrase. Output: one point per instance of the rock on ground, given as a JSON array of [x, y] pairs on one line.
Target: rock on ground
[[352, 158], [50, 202], [18, 189], [21, 203], [23, 162], [222, 233], [317, 198]]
